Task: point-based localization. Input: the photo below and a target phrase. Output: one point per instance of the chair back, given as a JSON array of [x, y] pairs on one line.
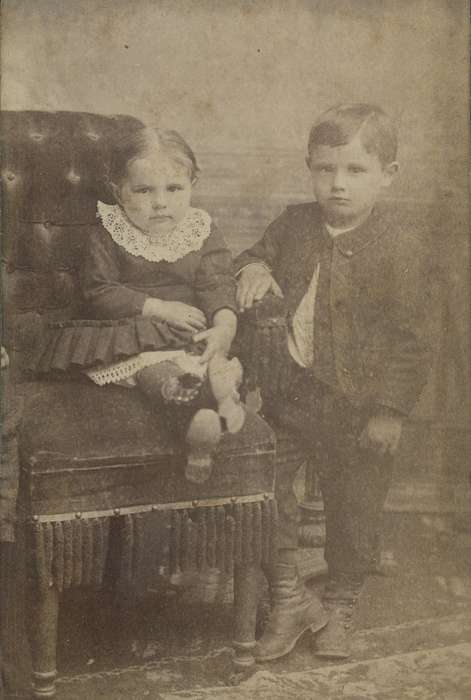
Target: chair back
[[53, 173]]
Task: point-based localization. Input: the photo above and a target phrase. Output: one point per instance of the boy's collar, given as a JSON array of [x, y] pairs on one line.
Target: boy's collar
[[351, 242]]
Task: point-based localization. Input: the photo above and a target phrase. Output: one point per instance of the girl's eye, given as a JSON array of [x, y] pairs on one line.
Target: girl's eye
[[174, 188], [324, 169], [142, 190], [355, 169]]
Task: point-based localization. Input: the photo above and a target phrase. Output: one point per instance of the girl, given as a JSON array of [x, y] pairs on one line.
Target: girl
[[157, 282]]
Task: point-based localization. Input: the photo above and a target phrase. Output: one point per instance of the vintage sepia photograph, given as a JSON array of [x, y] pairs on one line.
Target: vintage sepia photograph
[[235, 350]]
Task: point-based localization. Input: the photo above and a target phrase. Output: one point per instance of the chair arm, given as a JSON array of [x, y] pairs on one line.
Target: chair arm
[[261, 347]]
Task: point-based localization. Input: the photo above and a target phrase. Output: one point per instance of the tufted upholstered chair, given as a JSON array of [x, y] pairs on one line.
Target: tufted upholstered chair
[[95, 461]]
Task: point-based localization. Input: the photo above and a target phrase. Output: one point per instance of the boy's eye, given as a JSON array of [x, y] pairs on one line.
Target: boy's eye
[[174, 188], [355, 169], [142, 190]]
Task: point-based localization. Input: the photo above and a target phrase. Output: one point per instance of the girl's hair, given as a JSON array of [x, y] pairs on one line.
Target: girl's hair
[[140, 142], [340, 124]]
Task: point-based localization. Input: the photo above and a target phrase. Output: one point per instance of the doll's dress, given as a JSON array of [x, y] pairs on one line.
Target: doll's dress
[[113, 351]]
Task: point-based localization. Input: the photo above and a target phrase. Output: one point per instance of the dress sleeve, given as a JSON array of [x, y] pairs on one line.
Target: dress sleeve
[[104, 294], [215, 284]]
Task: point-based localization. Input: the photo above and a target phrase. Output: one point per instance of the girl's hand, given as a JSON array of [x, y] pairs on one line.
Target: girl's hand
[[218, 341], [254, 282], [178, 315], [382, 434]]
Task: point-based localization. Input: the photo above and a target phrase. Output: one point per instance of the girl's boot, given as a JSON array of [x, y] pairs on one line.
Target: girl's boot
[[296, 609], [168, 381]]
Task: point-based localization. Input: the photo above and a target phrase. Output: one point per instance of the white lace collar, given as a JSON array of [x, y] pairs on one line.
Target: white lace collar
[[188, 236]]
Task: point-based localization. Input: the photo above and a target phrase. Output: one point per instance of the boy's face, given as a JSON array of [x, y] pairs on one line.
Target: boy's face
[[347, 181]]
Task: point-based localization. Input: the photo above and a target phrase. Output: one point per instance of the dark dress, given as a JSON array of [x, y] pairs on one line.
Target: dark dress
[[115, 284]]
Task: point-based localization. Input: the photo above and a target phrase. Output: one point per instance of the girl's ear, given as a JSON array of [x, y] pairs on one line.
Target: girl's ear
[[115, 191], [112, 188]]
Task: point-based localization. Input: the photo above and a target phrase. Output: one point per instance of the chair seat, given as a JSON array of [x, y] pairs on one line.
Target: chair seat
[[101, 448]]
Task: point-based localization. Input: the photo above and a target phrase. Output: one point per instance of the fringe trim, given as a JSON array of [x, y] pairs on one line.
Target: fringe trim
[[221, 536], [70, 553], [74, 553]]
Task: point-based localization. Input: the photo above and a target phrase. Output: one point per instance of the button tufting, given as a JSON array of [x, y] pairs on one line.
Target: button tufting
[[73, 177], [92, 136], [36, 136], [349, 253]]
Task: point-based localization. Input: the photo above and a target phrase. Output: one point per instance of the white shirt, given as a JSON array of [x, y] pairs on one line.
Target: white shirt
[[301, 338]]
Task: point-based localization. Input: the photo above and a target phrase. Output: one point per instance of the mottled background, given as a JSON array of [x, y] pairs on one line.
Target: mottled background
[[242, 80], [245, 78]]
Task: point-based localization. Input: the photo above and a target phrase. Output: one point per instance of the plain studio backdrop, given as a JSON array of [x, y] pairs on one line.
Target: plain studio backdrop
[[242, 80]]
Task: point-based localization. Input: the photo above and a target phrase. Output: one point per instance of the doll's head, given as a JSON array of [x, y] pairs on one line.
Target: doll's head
[[151, 175]]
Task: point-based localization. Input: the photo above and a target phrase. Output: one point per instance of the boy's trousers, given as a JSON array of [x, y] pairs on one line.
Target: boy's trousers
[[354, 481]]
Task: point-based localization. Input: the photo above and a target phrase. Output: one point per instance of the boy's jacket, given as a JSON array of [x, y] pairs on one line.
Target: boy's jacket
[[378, 298]]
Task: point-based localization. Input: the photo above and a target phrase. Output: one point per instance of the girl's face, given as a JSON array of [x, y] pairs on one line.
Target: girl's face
[[156, 193]]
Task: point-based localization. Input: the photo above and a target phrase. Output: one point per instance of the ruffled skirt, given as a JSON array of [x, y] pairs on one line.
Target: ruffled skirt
[[112, 351]]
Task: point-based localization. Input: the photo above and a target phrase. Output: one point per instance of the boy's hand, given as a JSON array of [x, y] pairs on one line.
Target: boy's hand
[[382, 434], [178, 315], [254, 282], [218, 341]]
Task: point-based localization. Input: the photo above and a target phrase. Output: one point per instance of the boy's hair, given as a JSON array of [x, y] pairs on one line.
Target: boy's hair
[[140, 142], [340, 124]]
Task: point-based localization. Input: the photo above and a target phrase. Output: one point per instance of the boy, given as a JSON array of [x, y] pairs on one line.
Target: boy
[[352, 275]]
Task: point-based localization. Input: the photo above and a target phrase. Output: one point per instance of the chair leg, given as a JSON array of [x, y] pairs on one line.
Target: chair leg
[[246, 582], [44, 614]]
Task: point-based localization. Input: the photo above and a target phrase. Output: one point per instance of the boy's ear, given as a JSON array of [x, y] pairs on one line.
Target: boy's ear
[[308, 162], [389, 172]]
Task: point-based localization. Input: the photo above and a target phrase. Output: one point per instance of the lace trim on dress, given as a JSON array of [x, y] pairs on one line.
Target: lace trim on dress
[[126, 369], [188, 236]]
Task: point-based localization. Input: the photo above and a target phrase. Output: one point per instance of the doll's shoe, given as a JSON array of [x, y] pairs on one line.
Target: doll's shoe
[[202, 438]]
